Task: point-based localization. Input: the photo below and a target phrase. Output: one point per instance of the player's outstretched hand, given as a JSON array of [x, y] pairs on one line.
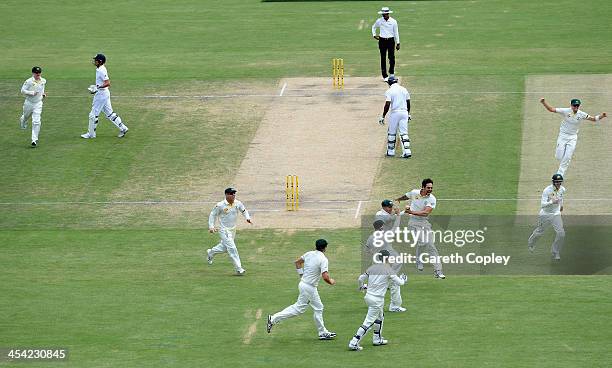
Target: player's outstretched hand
[[249, 221], [542, 100], [603, 115], [332, 282]]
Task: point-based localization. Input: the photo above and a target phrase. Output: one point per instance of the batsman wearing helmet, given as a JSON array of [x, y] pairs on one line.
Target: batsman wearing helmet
[[550, 215], [398, 102], [101, 101]]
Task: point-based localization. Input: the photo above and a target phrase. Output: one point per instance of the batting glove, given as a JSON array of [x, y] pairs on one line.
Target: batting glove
[[403, 277], [93, 89], [381, 121], [363, 287], [409, 117]]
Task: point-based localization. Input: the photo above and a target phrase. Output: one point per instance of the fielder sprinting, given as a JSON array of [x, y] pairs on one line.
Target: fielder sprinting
[[34, 91], [227, 212], [422, 202], [378, 277], [568, 132], [398, 102], [390, 218], [550, 215], [311, 267], [101, 101]]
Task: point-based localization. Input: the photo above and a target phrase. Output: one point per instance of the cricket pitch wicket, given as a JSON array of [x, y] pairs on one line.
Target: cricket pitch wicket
[[292, 192], [338, 73]]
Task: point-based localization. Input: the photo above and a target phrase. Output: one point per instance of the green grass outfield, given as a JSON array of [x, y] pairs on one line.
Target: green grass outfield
[[127, 286]]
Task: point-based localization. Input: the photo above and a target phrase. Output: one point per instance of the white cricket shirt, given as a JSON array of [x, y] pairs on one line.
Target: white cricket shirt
[[550, 193], [101, 75], [30, 86], [397, 95], [571, 122], [378, 276], [388, 218], [315, 263], [227, 214], [418, 203], [388, 28]]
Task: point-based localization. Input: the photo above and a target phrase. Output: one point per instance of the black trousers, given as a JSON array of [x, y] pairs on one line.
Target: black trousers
[[387, 45]]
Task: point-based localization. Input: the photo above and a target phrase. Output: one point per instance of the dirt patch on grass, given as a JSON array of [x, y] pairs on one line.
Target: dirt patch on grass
[[590, 172]]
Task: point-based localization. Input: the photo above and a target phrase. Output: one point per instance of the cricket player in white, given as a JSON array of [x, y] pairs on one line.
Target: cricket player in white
[[101, 101], [422, 202], [34, 91], [378, 277], [568, 132], [311, 267], [398, 102], [227, 212], [391, 218], [550, 215]]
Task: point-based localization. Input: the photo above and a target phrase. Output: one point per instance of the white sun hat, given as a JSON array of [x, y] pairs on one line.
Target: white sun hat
[[385, 10]]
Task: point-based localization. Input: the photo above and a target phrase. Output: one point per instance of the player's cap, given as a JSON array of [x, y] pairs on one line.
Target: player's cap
[[36, 69], [230, 190], [575, 102], [321, 244], [385, 10], [100, 57], [386, 203], [392, 80], [557, 177]]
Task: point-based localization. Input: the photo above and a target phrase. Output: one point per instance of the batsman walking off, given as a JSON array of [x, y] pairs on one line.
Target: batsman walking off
[[550, 215], [379, 276], [568, 132], [227, 212], [34, 91], [101, 101], [311, 267]]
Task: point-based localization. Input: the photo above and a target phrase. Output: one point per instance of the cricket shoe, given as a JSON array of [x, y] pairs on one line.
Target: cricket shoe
[[420, 267], [123, 132], [327, 335], [34, 144], [556, 256], [355, 347], [439, 275], [385, 79], [270, 324], [209, 257], [406, 155], [379, 342], [240, 272], [88, 136], [397, 309]]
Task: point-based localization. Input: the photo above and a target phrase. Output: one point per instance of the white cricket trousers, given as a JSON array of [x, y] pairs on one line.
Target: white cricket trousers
[[425, 244], [544, 222], [33, 110], [101, 103], [228, 245], [398, 123], [375, 317], [566, 144], [309, 295], [394, 289]]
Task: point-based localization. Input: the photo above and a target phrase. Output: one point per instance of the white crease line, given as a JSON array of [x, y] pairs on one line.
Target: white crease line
[[358, 209], [279, 202], [335, 93], [282, 90]]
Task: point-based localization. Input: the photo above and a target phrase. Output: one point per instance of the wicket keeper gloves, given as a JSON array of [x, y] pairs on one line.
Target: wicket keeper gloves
[[93, 89], [381, 121]]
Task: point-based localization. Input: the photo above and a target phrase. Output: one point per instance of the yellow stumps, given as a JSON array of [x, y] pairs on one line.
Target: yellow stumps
[[338, 73], [292, 193]]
